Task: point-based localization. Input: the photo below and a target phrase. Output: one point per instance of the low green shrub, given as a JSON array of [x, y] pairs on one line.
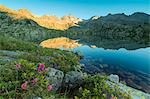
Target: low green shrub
[[96, 87]]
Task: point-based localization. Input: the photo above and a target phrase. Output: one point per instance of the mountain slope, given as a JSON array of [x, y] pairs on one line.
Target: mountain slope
[[47, 21], [115, 31], [25, 29], [111, 31]]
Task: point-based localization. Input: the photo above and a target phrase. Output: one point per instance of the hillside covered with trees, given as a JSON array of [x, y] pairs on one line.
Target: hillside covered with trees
[[114, 31]]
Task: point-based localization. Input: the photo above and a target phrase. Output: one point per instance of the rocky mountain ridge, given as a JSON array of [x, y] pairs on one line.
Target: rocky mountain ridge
[[52, 22]]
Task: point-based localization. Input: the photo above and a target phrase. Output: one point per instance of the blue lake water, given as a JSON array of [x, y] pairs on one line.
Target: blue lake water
[[136, 60], [132, 66]]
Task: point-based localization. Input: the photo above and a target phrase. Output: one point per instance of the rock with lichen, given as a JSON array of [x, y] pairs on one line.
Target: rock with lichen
[[55, 77], [74, 78], [114, 78]]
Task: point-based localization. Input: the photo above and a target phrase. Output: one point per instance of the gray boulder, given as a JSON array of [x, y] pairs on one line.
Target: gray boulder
[[114, 78], [74, 78], [55, 77]]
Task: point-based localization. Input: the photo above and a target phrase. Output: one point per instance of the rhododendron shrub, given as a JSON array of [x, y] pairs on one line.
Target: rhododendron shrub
[[31, 80]]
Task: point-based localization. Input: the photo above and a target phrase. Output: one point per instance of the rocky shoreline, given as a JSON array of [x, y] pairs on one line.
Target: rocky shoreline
[[76, 78]]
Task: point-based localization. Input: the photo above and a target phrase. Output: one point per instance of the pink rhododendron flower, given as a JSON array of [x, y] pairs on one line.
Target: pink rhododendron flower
[[41, 67], [34, 80], [24, 85], [49, 88], [18, 66], [46, 69]]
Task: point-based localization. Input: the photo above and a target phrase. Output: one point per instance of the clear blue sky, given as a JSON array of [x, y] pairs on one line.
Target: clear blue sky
[[80, 8]]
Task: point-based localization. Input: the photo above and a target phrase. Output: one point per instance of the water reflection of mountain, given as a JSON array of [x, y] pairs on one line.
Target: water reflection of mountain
[[115, 44]]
